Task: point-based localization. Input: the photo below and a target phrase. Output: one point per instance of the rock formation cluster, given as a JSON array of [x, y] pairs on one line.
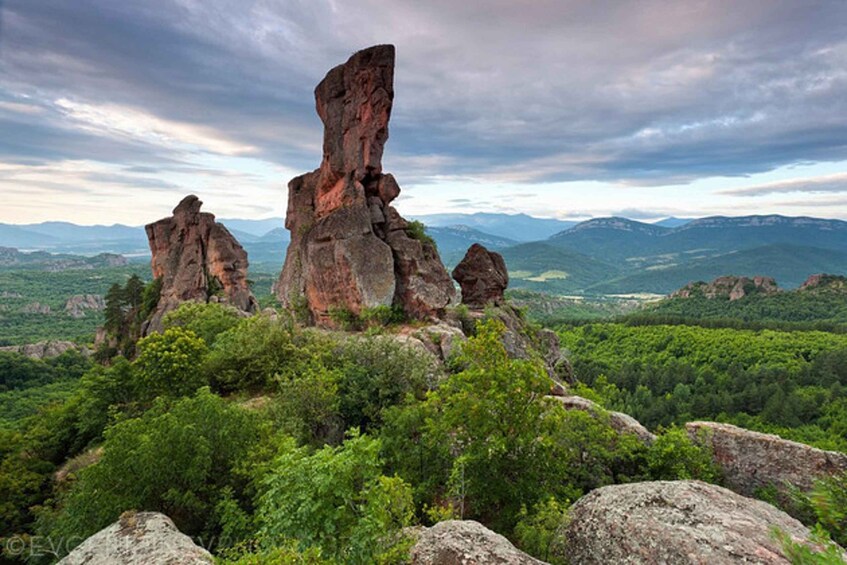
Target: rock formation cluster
[[733, 288], [483, 277], [198, 260], [350, 249]]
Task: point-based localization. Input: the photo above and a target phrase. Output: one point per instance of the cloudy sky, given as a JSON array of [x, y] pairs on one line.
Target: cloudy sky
[[111, 111]]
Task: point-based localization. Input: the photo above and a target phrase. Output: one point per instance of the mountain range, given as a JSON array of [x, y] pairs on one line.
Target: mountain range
[[599, 256]]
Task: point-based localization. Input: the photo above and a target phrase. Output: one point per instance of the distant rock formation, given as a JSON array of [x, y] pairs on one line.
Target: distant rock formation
[[675, 522], [620, 422], [36, 308], [729, 287], [750, 460], [197, 260], [142, 538], [349, 248], [483, 277], [454, 542], [824, 282], [45, 349], [79, 304]]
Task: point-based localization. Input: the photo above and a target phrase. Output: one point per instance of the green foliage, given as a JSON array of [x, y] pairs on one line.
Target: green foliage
[[337, 499], [489, 442], [790, 383], [22, 287], [799, 309], [250, 354], [178, 460], [674, 457], [381, 316], [207, 321], [376, 373], [417, 230], [819, 550], [169, 364], [343, 318], [541, 532]]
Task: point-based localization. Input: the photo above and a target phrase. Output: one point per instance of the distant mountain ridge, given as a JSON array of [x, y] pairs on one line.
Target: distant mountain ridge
[[598, 256]]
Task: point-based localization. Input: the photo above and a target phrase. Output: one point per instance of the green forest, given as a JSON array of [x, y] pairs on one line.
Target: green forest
[[282, 444]]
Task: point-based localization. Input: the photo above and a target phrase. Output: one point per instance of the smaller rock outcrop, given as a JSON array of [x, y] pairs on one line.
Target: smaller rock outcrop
[[676, 522], [730, 288], [751, 460], [822, 282], [483, 277], [198, 260], [36, 308], [465, 542], [620, 422], [45, 349], [79, 304], [142, 538]]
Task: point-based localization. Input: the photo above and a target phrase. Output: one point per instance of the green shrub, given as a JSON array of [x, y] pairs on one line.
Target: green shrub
[[179, 460], [541, 532], [170, 364], [249, 355], [206, 320], [674, 457], [417, 230], [337, 499]]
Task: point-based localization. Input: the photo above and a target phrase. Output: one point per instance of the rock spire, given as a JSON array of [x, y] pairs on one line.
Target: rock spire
[[350, 249]]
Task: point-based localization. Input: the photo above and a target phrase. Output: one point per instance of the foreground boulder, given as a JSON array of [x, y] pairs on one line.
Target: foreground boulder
[[465, 542], [620, 422], [143, 538], [198, 260], [350, 249], [483, 277], [751, 460], [676, 522]]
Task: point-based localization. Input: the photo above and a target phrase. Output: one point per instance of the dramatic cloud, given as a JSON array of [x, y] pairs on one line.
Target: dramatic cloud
[[828, 183], [635, 94]]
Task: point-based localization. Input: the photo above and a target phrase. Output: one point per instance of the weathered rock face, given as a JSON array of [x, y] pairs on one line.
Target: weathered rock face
[[144, 538], [77, 305], [675, 522], [465, 542], [732, 288], [620, 422], [349, 247], [483, 277], [197, 260], [750, 460]]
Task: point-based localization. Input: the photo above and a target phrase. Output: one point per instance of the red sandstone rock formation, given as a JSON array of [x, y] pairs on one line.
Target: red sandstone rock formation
[[197, 260], [483, 277], [349, 248]]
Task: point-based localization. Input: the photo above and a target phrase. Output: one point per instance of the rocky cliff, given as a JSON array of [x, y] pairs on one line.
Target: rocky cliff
[[350, 249], [198, 260]]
